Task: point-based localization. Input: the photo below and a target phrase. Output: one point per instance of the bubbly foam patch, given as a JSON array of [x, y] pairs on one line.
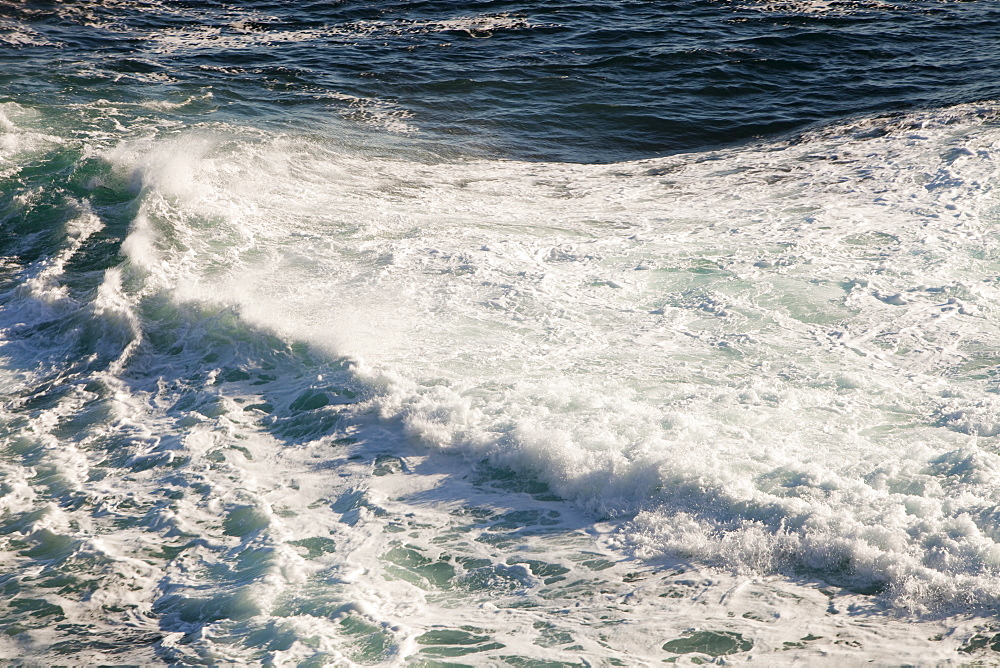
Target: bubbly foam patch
[[777, 344], [16, 142], [334, 408]]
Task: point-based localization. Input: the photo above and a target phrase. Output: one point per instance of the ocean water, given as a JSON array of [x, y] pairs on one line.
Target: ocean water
[[540, 335]]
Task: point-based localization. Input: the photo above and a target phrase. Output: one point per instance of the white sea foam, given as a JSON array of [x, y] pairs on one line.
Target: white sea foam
[[18, 35], [765, 373], [820, 6], [245, 30], [786, 375], [16, 142]]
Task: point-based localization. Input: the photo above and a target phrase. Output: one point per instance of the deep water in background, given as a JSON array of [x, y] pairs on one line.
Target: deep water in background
[[585, 82], [534, 335]]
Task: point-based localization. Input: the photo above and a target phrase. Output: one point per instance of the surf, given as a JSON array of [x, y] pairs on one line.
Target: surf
[[326, 395]]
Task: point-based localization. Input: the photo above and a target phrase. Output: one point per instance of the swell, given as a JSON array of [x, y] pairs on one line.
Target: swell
[[528, 82]]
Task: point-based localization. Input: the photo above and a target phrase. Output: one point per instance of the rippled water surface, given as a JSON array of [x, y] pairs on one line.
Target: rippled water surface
[[585, 82]]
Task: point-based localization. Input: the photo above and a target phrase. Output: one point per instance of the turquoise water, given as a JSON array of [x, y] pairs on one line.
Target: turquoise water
[[604, 334]]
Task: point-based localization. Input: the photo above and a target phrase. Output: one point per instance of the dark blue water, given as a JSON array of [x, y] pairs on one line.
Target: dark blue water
[[586, 82]]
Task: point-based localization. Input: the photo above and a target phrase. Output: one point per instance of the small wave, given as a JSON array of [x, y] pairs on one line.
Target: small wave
[[823, 7]]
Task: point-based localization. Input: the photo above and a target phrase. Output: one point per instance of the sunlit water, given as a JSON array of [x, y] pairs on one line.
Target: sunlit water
[[353, 358]]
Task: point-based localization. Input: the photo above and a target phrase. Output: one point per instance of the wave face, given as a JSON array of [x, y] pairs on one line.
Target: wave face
[[302, 370]]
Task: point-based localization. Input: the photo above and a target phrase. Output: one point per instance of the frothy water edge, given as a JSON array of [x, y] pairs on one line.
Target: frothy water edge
[[620, 336]]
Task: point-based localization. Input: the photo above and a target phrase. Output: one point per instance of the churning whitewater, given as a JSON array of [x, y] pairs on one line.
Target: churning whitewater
[[606, 334], [327, 407]]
